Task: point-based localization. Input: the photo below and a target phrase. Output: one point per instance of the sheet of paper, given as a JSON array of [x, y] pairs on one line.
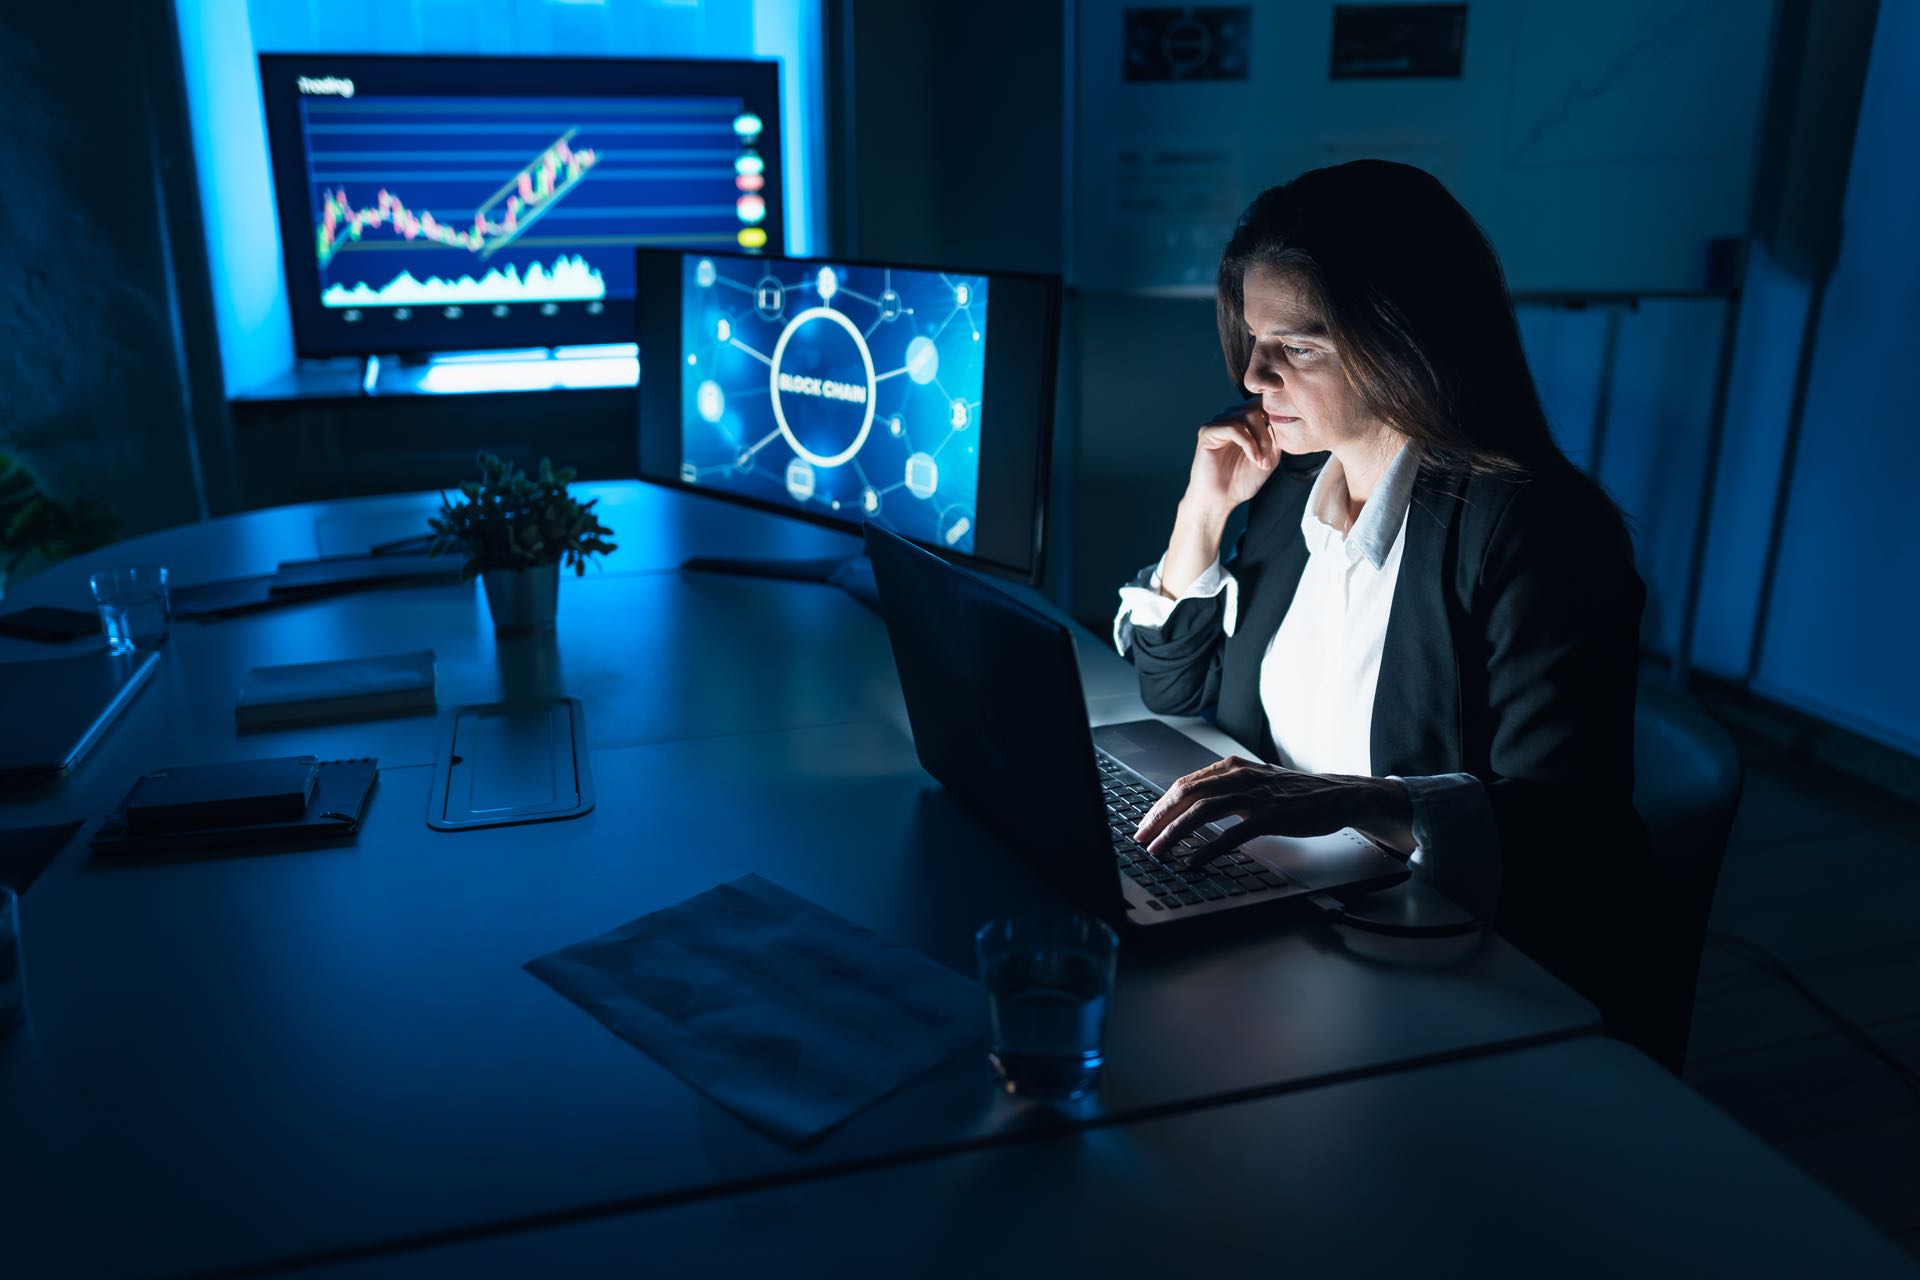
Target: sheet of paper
[[789, 1016]]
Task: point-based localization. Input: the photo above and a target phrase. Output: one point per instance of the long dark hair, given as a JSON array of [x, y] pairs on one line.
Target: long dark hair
[[1415, 304]]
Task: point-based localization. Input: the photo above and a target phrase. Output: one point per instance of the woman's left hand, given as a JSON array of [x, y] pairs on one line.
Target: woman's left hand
[[1272, 801]]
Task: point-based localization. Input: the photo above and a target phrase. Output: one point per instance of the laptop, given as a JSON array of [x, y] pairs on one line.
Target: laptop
[[993, 698], [57, 708]]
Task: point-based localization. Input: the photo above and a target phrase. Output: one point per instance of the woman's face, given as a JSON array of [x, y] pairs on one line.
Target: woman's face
[[1295, 370]]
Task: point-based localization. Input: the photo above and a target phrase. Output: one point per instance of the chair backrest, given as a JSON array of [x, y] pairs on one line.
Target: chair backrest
[[1687, 777]]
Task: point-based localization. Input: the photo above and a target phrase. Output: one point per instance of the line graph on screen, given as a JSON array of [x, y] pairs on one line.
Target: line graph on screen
[[449, 201]]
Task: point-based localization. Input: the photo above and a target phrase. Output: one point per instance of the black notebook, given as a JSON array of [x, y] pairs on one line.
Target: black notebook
[[53, 710], [49, 625], [340, 791], [191, 797]]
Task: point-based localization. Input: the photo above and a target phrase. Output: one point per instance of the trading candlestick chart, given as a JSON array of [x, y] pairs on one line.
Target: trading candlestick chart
[[451, 202], [531, 192]]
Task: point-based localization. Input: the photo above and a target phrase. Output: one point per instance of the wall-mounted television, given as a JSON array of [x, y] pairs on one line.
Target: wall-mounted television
[[431, 204]]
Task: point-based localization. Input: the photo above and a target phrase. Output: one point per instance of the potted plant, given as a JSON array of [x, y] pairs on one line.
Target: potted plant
[[515, 531], [32, 523]]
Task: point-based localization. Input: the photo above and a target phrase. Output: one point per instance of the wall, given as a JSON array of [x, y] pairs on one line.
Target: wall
[[96, 378], [955, 131], [1845, 604]]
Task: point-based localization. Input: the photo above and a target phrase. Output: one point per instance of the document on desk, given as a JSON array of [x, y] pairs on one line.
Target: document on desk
[[789, 1016]]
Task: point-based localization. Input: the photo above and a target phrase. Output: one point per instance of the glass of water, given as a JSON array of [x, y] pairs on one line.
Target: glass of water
[[13, 982], [133, 607], [1049, 980]]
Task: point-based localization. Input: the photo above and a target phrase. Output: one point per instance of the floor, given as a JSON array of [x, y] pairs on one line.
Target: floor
[[1824, 872]]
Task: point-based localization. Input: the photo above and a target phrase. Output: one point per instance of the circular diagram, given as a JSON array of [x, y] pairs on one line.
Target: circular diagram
[[822, 385]]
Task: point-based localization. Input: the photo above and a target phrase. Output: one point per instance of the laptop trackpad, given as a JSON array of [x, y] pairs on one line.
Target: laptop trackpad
[[1158, 752]]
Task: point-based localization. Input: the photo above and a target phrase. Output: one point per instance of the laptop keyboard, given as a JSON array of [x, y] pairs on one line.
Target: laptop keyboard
[[1233, 875]]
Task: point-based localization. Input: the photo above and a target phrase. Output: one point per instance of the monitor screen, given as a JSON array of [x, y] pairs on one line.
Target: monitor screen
[[919, 399], [429, 204]]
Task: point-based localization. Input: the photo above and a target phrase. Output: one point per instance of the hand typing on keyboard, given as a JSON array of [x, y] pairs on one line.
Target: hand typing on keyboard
[[1270, 800]]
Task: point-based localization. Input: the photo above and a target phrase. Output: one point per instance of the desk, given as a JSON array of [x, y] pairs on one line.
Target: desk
[[258, 1059], [1573, 1160]]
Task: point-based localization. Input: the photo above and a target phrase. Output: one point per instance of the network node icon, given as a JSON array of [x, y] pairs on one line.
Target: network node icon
[[960, 416], [769, 298], [800, 479], [956, 522], [870, 500], [826, 283], [923, 360], [705, 273], [896, 426], [962, 295], [711, 401], [923, 475], [723, 330], [890, 306], [689, 474]]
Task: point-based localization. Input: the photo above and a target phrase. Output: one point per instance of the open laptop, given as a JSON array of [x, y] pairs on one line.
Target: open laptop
[[993, 696]]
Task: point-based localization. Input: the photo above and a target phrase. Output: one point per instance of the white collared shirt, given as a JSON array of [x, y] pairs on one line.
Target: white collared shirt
[[1322, 668]]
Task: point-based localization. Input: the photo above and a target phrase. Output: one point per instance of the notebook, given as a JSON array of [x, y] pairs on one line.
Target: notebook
[[57, 708], [50, 625], [345, 573], [347, 689], [340, 791], [192, 797]]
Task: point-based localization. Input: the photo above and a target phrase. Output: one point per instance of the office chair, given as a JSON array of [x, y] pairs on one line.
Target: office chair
[[1687, 777]]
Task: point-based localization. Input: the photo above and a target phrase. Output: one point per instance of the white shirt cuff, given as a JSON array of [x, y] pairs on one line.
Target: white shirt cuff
[[1458, 846], [1142, 605]]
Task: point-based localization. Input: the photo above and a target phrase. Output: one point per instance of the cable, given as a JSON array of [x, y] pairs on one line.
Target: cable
[[1337, 912], [1458, 929], [1757, 954]]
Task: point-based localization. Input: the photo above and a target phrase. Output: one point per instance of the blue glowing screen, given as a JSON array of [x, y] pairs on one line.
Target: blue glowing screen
[[849, 392]]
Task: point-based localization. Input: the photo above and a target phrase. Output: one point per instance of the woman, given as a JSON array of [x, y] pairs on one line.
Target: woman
[[1429, 629]]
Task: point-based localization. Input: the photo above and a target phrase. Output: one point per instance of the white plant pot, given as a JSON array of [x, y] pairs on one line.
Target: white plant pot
[[523, 599]]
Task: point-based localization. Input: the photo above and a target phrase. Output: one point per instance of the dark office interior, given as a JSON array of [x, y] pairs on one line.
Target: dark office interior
[[557, 558]]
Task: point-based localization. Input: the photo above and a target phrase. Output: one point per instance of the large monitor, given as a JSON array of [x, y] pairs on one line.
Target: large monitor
[[842, 392], [429, 204]]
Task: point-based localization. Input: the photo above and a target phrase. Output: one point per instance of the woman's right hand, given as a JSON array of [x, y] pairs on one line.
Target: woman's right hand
[[1233, 457]]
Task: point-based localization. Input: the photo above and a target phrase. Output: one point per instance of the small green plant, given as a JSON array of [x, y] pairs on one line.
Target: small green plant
[[511, 520], [31, 522]]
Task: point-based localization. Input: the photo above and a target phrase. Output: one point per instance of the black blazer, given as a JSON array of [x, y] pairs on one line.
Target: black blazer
[[1511, 654]]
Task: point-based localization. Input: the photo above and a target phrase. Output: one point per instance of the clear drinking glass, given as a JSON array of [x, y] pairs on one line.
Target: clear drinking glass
[[13, 983], [1049, 980], [133, 607]]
